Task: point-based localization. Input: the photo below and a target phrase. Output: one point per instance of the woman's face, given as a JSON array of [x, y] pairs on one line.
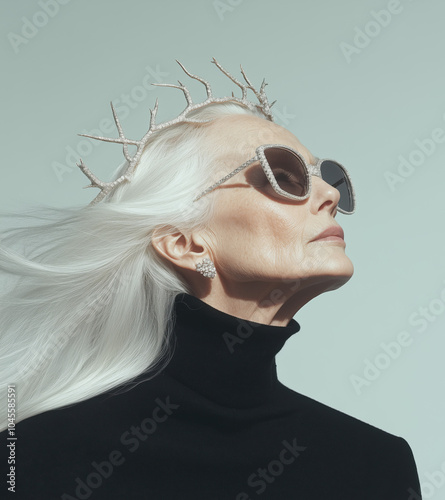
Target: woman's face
[[259, 242]]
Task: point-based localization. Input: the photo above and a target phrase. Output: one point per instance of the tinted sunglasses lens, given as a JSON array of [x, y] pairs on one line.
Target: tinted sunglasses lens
[[333, 174], [288, 169]]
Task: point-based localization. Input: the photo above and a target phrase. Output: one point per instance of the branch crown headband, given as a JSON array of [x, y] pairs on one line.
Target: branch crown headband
[[133, 160]]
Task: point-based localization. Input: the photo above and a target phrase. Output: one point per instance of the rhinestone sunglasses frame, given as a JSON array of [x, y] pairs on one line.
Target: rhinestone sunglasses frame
[[310, 170]]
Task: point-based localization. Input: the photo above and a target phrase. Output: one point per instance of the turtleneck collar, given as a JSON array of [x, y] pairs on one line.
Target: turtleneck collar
[[228, 360]]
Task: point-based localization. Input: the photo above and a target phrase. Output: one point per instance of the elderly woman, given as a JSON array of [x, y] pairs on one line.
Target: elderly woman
[[141, 341]]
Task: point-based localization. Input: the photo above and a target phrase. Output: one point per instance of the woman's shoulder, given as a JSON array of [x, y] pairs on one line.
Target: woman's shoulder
[[335, 422], [350, 440]]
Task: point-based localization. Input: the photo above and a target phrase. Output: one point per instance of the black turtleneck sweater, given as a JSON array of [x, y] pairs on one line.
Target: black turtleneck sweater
[[215, 424]]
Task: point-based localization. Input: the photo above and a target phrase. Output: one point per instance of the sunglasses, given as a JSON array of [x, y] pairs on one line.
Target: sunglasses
[[291, 176]]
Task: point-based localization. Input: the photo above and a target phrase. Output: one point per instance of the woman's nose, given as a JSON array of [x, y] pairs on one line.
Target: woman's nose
[[323, 195]]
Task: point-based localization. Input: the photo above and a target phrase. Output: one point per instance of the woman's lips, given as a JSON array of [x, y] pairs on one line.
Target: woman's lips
[[333, 233], [332, 238]]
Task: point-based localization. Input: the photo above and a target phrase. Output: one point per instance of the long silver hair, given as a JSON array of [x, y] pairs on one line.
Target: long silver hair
[[85, 301]]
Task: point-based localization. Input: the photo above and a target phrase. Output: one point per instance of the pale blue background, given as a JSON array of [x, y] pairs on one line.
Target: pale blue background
[[365, 111]]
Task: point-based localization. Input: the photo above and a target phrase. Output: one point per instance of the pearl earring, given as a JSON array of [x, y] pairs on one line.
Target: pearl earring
[[206, 268]]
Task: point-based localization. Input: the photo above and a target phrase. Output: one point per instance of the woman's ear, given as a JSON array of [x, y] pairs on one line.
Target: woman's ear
[[179, 248]]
